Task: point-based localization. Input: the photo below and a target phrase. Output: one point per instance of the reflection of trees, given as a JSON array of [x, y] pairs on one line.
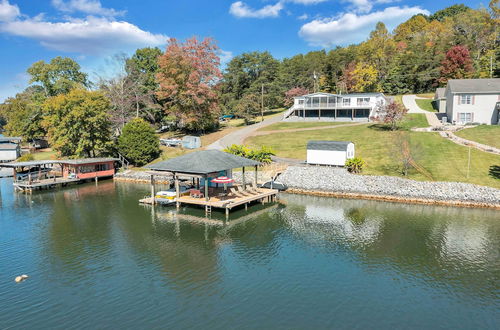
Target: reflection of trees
[[79, 226], [453, 245]]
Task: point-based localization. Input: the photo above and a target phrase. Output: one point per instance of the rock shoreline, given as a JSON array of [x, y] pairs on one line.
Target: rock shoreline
[[337, 182], [330, 181]]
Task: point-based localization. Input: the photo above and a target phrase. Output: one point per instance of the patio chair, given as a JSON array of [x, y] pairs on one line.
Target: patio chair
[[254, 186], [236, 193], [245, 192], [252, 190], [195, 193]]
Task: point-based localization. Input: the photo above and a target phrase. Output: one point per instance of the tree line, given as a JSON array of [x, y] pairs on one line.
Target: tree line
[[184, 86]]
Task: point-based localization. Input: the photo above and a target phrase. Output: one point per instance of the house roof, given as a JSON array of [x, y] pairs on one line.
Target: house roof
[[440, 93], [474, 85], [328, 145], [342, 95], [4, 139], [59, 161], [9, 146], [202, 162]]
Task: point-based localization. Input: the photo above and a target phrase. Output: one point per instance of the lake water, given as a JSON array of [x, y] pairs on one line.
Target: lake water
[[97, 259]]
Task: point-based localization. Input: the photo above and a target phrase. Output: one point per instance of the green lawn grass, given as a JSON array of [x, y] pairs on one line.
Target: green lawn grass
[[445, 160], [45, 155], [427, 95], [426, 104], [414, 120], [485, 134], [297, 125]]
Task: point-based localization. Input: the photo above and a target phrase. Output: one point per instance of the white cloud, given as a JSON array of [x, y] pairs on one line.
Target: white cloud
[[303, 17], [92, 7], [352, 28], [307, 2], [225, 56], [88, 36], [241, 9], [365, 6], [8, 12]]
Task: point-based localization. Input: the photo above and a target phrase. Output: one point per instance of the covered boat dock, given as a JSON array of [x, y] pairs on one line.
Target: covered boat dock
[[201, 168], [45, 174]]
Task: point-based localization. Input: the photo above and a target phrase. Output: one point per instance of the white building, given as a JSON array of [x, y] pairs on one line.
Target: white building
[[440, 99], [9, 152], [329, 152], [331, 107], [473, 101]]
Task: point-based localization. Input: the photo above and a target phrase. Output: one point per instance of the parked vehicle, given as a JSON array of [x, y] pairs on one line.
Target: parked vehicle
[[171, 142]]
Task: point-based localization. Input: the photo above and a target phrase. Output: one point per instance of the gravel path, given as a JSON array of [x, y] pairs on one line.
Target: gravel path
[[321, 178]]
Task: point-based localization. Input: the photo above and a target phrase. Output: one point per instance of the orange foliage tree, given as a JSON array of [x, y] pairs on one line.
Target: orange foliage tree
[[187, 77]]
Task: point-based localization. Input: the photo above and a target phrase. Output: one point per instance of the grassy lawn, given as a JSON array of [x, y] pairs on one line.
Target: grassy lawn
[[485, 134], [45, 155], [445, 160], [414, 120], [295, 125], [426, 104], [427, 95]]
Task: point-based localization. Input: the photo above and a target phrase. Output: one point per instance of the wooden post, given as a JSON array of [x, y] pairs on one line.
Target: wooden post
[[243, 179], [177, 191], [15, 174], [206, 188], [319, 114], [153, 189], [352, 114], [246, 206], [256, 174]]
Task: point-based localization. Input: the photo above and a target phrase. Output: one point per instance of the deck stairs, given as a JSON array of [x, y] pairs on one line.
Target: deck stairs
[[125, 163], [289, 112]]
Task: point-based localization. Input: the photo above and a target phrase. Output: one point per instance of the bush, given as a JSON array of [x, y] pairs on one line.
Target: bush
[[138, 142], [26, 158], [262, 155], [355, 165]]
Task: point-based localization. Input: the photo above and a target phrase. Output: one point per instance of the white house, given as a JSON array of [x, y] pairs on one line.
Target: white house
[[329, 152], [473, 101], [331, 107]]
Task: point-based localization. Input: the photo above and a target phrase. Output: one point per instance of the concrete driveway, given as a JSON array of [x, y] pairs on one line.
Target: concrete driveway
[[237, 137], [411, 105]]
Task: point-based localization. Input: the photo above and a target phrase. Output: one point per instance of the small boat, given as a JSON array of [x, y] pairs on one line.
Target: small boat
[[168, 196], [275, 185]]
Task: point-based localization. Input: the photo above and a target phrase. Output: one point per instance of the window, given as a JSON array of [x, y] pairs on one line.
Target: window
[[346, 102], [464, 117], [465, 99], [301, 101], [363, 101]]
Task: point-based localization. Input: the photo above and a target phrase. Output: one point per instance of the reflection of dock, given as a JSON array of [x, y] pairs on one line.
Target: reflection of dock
[[43, 184]]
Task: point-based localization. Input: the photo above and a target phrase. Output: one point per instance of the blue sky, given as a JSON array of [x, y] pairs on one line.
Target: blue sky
[[91, 31]]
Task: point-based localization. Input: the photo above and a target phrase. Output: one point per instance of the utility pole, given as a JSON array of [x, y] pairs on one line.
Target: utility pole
[[262, 103]]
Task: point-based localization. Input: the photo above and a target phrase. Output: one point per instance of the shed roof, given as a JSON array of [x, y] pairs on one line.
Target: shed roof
[[328, 145], [9, 146], [202, 162], [440, 93], [474, 85]]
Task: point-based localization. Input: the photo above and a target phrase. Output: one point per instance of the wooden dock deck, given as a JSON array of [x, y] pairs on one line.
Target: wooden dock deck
[[42, 184], [222, 202]]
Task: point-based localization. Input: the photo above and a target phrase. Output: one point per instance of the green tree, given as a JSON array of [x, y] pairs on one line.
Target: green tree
[[248, 107], [23, 114], [59, 76], [78, 123], [451, 11], [138, 142]]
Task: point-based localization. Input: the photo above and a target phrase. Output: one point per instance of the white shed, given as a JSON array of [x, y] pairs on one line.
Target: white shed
[[9, 152], [329, 152]]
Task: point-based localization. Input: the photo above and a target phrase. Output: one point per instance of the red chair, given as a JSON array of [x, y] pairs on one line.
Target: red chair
[[195, 193]]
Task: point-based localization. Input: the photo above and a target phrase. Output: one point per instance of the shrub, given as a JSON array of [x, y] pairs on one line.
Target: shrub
[[355, 165], [26, 158], [262, 155], [138, 142]]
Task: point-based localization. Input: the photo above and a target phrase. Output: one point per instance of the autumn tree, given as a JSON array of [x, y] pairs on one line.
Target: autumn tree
[[294, 92], [78, 124], [59, 76], [392, 114], [187, 75], [364, 77], [456, 65]]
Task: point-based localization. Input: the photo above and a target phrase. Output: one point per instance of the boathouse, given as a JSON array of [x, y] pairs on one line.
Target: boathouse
[[200, 168], [32, 175]]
